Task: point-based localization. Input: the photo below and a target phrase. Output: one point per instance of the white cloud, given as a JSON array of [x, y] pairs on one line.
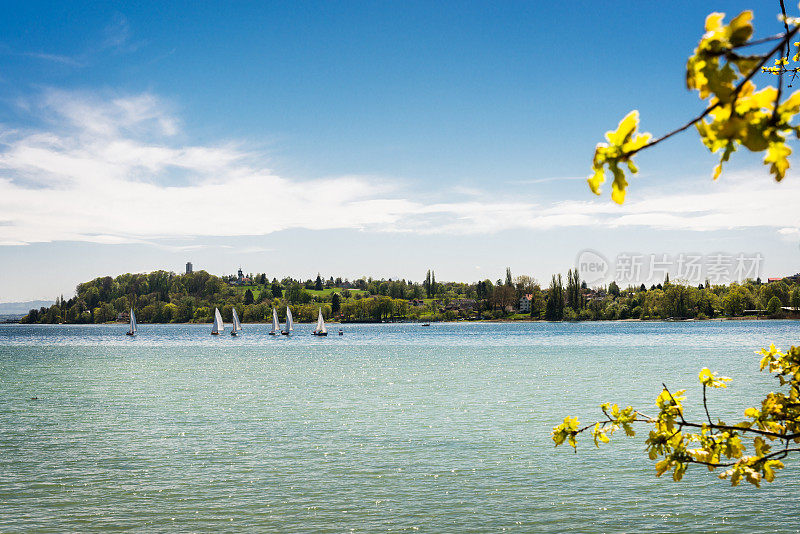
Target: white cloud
[[102, 170]]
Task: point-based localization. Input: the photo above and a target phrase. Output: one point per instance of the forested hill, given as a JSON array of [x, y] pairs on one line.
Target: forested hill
[[163, 297]]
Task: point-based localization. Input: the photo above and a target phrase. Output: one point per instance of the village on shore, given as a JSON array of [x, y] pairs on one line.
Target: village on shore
[[191, 297]]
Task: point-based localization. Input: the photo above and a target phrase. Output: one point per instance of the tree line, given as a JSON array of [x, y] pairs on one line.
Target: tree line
[[164, 297]]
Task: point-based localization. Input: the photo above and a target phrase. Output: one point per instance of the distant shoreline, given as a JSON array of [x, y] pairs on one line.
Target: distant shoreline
[[492, 321]]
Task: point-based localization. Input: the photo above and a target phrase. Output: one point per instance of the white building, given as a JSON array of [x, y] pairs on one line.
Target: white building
[[525, 303]]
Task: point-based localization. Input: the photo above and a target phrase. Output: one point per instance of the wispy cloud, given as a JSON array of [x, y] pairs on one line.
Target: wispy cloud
[[62, 59], [117, 35], [55, 58], [102, 170], [549, 179], [115, 38]]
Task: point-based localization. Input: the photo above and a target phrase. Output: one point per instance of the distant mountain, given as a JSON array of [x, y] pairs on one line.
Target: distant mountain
[[13, 308]]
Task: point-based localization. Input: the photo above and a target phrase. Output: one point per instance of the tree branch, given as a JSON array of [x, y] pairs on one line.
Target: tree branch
[[780, 454], [609, 420], [713, 426], [745, 430], [718, 103]]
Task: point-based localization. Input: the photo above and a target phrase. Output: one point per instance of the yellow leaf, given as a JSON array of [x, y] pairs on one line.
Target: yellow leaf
[[741, 28], [791, 104], [617, 193], [662, 466], [717, 170], [706, 376], [714, 21], [625, 128], [761, 446], [596, 180], [777, 155]]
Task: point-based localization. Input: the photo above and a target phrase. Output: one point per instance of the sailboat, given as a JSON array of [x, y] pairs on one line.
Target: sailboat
[[289, 322], [237, 326], [219, 326], [320, 330], [132, 330], [276, 326]]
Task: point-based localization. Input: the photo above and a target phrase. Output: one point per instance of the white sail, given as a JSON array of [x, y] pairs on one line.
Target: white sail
[[133, 322], [237, 326], [219, 326], [276, 327], [289, 321], [320, 324]]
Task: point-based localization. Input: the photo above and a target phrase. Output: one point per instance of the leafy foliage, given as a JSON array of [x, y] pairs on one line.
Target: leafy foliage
[[675, 443], [622, 144], [736, 114]]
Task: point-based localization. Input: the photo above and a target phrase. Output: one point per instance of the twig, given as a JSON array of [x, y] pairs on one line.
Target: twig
[[783, 67], [705, 405], [761, 41], [680, 411]]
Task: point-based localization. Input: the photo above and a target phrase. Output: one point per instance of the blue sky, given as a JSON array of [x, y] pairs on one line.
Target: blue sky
[[357, 139]]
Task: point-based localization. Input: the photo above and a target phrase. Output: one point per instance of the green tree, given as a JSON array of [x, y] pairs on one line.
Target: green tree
[[503, 297], [537, 302], [427, 284], [318, 285], [613, 289], [277, 291], [795, 298], [554, 308], [335, 303], [736, 300], [248, 297], [574, 299], [774, 307]]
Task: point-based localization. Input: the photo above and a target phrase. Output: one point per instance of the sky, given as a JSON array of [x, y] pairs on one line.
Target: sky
[[363, 139]]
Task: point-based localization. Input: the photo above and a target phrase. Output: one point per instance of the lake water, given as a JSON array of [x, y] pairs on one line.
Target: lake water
[[392, 428]]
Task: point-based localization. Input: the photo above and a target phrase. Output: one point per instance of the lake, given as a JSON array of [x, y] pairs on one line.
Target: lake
[[390, 427]]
